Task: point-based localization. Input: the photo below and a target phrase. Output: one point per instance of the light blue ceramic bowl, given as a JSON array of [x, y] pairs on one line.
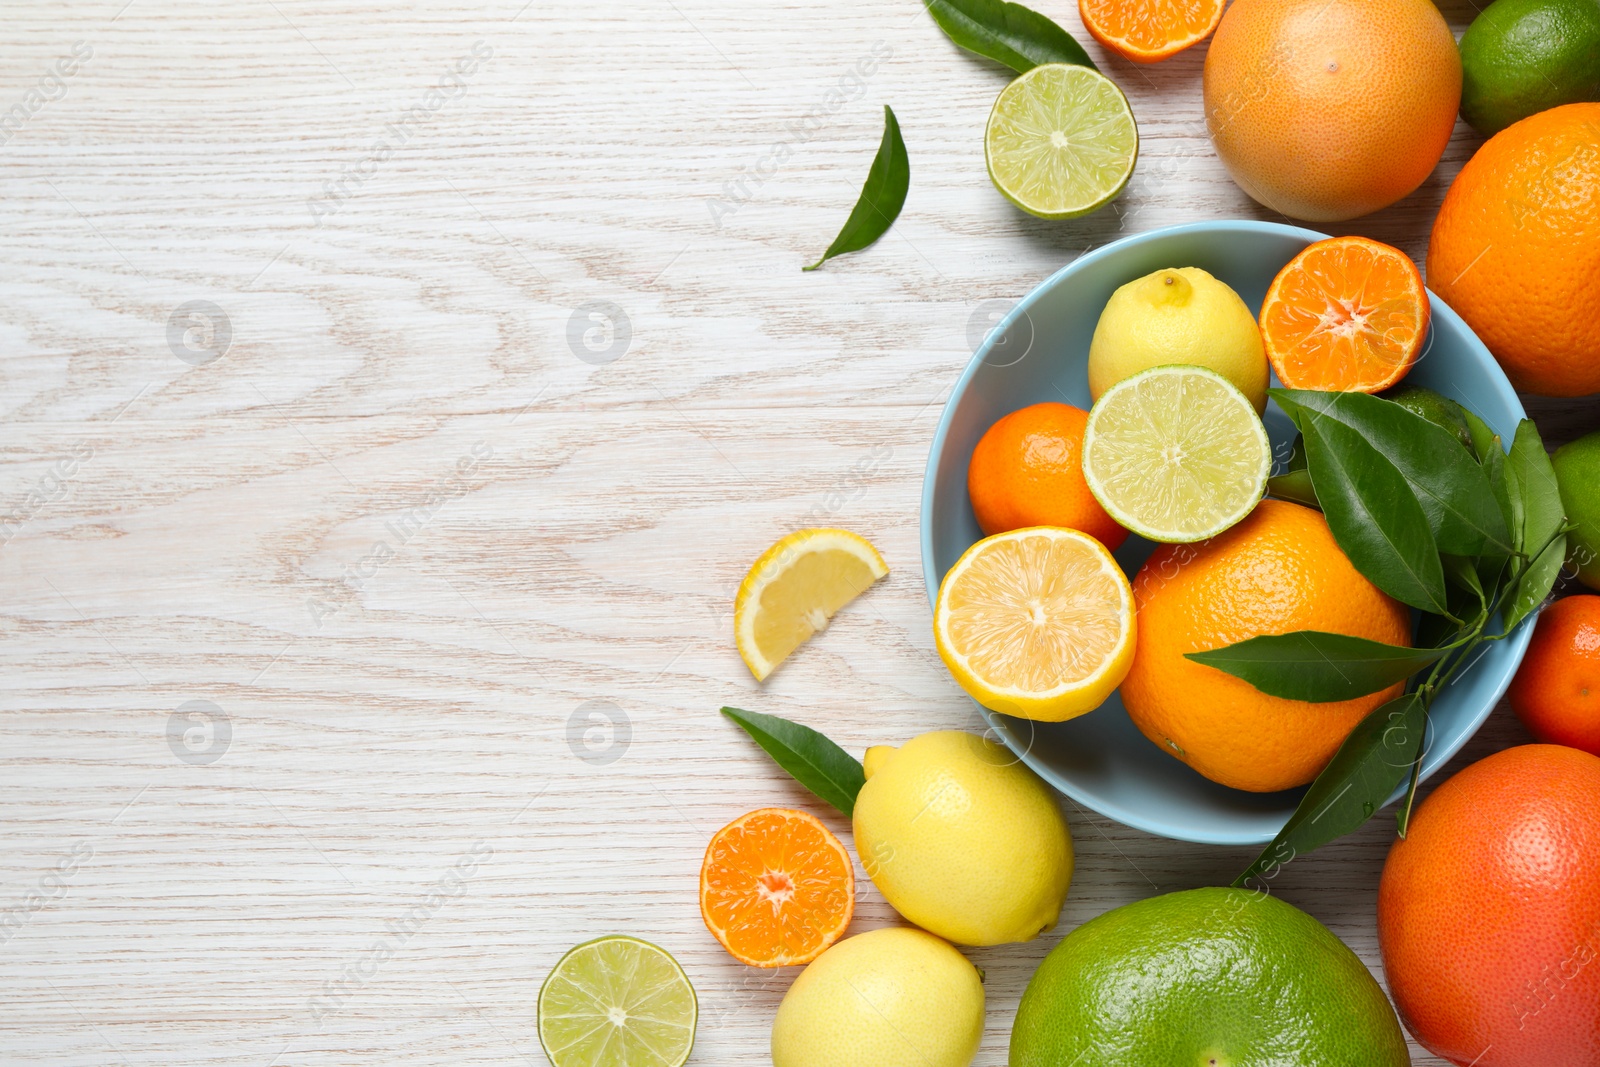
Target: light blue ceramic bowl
[[1040, 352]]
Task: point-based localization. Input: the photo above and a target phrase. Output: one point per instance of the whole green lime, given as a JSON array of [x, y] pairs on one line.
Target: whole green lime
[[1578, 475], [1205, 978], [1436, 408], [1521, 57]]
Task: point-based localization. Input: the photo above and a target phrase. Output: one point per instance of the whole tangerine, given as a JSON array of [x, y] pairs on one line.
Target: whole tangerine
[[1556, 692], [1330, 109], [1516, 250], [1489, 913], [1028, 471], [1278, 571]]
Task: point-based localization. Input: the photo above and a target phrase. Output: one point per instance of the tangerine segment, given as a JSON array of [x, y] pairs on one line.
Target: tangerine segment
[[1037, 623], [1147, 31], [1346, 314], [776, 888]]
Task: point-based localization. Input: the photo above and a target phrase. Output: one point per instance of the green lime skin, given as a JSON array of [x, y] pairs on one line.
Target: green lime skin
[[1437, 409], [1578, 476], [1521, 57], [1205, 978]]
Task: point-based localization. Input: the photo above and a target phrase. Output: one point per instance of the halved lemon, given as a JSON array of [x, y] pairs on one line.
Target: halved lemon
[[1176, 454], [795, 588], [1036, 623]]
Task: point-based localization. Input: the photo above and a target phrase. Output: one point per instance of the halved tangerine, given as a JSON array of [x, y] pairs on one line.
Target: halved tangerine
[[776, 888], [1147, 31], [1347, 314]]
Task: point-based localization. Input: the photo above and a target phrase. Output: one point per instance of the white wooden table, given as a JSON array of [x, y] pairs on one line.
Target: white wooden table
[[319, 597]]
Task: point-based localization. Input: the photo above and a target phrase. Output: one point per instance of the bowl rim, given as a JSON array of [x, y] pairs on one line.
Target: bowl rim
[[1517, 641]]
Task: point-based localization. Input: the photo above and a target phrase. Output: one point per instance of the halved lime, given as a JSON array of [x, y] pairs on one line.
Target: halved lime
[[1061, 141], [617, 1002], [1176, 454]]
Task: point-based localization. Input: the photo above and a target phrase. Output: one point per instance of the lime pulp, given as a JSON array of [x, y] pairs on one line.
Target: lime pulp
[[1176, 454], [617, 1002], [1061, 141]]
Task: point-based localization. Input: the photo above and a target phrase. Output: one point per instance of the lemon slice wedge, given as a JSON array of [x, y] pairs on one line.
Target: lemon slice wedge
[[795, 588], [1176, 454], [1036, 623]]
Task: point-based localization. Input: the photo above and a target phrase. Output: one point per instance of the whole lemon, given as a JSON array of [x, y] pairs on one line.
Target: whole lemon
[[962, 839], [1182, 315], [892, 998]]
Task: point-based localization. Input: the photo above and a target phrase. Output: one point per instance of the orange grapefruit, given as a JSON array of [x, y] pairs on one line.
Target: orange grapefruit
[[1489, 913], [1330, 109]]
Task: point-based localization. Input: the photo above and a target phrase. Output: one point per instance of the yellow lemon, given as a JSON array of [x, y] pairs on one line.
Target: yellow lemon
[[1036, 622], [890, 998], [1179, 315], [963, 839], [794, 589]]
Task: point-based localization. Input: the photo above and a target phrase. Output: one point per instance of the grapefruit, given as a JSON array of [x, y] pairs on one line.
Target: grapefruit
[[1489, 913], [1330, 109], [1205, 978]]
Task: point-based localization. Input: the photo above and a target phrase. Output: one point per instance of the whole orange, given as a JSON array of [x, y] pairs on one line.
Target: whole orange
[[1277, 571], [1516, 250], [1028, 471], [1489, 913], [1556, 693], [1329, 109]]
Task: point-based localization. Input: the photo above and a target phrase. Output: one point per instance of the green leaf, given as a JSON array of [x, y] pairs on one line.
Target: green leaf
[[1449, 484], [1483, 435], [1543, 519], [881, 198], [1462, 572], [1294, 486], [1356, 782], [1011, 34], [1373, 514], [1436, 631], [815, 762], [1319, 667]]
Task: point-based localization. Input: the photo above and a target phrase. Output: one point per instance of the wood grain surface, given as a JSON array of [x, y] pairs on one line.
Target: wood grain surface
[[366, 592]]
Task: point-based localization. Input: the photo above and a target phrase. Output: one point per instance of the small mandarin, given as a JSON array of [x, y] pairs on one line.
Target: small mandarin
[[1346, 314], [1147, 31], [1556, 693], [776, 888], [1028, 471]]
